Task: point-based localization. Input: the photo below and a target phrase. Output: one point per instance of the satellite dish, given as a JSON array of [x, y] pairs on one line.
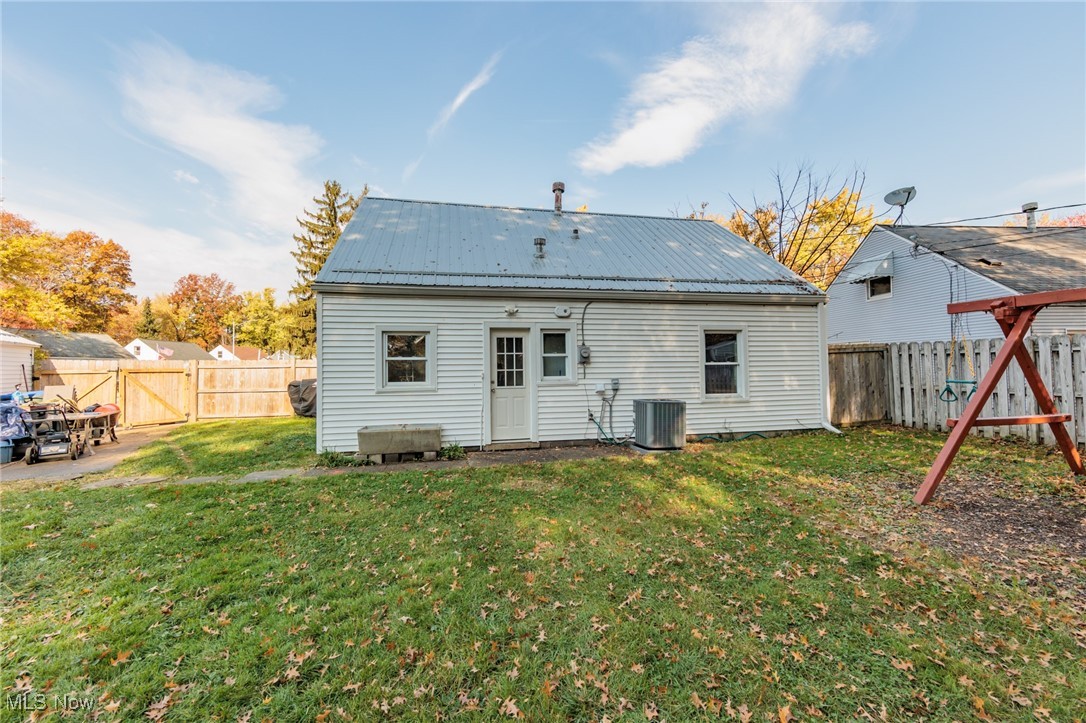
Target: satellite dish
[[901, 196]]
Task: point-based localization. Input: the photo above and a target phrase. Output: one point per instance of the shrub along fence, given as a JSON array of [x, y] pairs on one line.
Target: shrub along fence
[[918, 376], [178, 391]]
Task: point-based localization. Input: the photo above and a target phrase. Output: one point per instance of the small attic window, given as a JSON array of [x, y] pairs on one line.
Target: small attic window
[[879, 286]]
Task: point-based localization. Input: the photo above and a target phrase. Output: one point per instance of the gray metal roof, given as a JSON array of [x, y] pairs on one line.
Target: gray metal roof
[[63, 345], [415, 243], [1047, 259]]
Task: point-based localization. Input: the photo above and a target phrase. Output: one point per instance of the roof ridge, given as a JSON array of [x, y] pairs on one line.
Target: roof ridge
[[526, 208]]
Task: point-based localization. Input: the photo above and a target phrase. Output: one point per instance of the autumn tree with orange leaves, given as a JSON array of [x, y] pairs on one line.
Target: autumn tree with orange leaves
[[812, 224], [77, 282], [198, 306]]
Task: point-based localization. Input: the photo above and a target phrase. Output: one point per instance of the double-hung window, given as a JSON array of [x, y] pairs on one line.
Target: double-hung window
[[407, 359], [722, 362], [556, 362]]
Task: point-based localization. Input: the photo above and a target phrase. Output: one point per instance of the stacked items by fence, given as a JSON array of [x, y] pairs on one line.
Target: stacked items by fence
[[161, 392], [918, 376]]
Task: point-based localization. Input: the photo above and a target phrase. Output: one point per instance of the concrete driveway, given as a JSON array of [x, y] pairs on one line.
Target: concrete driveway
[[97, 459]]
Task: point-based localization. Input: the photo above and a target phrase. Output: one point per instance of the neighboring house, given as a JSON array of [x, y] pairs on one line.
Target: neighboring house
[[163, 350], [897, 284], [237, 353], [16, 361], [74, 345], [475, 318]]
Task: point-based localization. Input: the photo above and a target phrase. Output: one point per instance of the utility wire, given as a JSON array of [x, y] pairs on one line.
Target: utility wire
[[1001, 215]]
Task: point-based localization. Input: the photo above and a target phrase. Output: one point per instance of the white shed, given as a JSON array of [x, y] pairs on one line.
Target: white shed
[[513, 326], [16, 361], [897, 284]]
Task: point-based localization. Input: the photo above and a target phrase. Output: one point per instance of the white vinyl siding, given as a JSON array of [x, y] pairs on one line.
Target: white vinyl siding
[[1060, 319], [654, 349], [16, 360]]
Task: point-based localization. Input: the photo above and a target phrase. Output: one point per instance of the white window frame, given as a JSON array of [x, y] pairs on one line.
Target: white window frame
[[741, 376], [381, 372], [570, 361], [887, 295]]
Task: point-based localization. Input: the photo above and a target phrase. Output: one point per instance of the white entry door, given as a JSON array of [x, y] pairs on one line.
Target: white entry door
[[510, 401]]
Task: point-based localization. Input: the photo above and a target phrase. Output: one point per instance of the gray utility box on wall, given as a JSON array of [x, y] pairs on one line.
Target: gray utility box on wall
[[659, 423]]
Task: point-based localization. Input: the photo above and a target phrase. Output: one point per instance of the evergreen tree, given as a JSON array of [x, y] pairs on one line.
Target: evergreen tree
[[148, 326], [320, 231]]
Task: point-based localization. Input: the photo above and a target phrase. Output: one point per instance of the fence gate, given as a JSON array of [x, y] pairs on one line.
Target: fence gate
[[153, 396], [859, 383]]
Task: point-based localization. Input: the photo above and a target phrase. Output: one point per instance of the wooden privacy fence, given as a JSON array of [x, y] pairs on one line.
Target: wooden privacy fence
[[918, 374], [859, 377], [178, 391]]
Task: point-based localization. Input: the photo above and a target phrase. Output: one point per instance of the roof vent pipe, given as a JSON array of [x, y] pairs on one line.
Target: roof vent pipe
[[559, 188], [539, 244], [1031, 217]]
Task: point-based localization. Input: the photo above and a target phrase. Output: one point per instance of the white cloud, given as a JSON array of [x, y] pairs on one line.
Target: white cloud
[[162, 254], [212, 113], [185, 177], [481, 78], [753, 64], [410, 168]]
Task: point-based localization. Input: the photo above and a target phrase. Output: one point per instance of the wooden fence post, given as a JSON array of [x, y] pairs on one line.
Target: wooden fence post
[[194, 390]]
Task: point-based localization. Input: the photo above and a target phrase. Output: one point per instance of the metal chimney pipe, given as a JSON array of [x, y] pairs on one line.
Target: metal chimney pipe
[[559, 188], [1031, 217], [539, 244]]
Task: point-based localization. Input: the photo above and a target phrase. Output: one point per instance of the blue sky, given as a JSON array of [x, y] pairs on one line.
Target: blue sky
[[193, 134]]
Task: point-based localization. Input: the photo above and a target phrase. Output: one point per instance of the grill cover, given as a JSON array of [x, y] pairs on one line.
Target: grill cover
[[303, 397]]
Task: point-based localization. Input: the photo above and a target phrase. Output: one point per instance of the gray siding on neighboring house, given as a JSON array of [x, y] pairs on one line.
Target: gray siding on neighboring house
[[653, 348], [1060, 320], [916, 308]]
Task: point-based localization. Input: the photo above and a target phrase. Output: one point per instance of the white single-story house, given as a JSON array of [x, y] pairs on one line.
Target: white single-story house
[[897, 284], [165, 350], [236, 352], [513, 326], [16, 361]]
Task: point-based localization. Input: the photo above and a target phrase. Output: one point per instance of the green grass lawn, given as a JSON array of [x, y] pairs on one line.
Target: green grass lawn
[[232, 447], [721, 583]]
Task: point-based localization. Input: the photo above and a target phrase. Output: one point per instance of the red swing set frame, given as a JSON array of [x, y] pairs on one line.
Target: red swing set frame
[[1015, 315]]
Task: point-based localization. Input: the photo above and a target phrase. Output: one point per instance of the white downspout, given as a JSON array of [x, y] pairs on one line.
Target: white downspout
[[823, 368]]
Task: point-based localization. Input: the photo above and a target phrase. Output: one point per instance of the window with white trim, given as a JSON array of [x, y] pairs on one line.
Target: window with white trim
[[879, 286], [407, 359], [722, 362], [555, 346]]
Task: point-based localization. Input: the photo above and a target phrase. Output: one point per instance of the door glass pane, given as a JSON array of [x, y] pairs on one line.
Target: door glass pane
[[554, 366], [509, 361], [721, 378]]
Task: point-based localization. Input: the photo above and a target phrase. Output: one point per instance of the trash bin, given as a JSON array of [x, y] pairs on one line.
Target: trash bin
[[6, 449]]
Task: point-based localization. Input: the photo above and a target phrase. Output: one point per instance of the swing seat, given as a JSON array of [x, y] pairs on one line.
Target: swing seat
[[967, 395]]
